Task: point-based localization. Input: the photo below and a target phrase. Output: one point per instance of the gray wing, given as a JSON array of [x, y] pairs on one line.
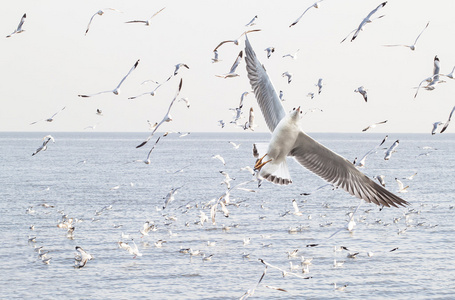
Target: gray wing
[[90, 22], [448, 121], [266, 95], [237, 62], [340, 172], [415, 42], [131, 70]]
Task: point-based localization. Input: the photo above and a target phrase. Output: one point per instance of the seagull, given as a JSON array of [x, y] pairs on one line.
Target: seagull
[[251, 23], [281, 96], [319, 85], [49, 119], [401, 187], [412, 47], [389, 152], [435, 126], [381, 180], [215, 57], [374, 125], [233, 68], [250, 124], [220, 158], [167, 117], [99, 112], [236, 41], [311, 95], [236, 146], [116, 91], [100, 13], [289, 140], [132, 250], [146, 22], [435, 77], [147, 227], [269, 50], [187, 102], [178, 66], [361, 163], [221, 123], [250, 292], [43, 147], [152, 93], [367, 19], [82, 258], [448, 121], [297, 211], [361, 90], [170, 196], [19, 27], [288, 75], [293, 56], [315, 5]]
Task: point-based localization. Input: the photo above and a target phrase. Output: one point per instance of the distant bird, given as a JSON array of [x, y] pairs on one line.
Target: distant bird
[[392, 148], [293, 56], [412, 47], [311, 95], [178, 66], [221, 123], [236, 41], [215, 58], [435, 77], [82, 258], [43, 147], [319, 85], [152, 93], [374, 125], [381, 180], [233, 68], [170, 196], [99, 112], [448, 121], [315, 5], [220, 158], [361, 163], [147, 160], [367, 19], [288, 75], [251, 23], [167, 117], [131, 249], [450, 75], [250, 124], [49, 119], [116, 91], [255, 151], [147, 227], [236, 146], [19, 27], [187, 102], [99, 13], [297, 211], [401, 187], [269, 50], [148, 21], [289, 140], [361, 90], [281, 96], [435, 127]]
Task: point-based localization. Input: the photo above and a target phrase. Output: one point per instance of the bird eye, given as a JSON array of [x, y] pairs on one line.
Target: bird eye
[[293, 108], [300, 112]]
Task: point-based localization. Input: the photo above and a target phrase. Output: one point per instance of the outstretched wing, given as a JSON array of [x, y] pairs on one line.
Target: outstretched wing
[[340, 172], [266, 95]]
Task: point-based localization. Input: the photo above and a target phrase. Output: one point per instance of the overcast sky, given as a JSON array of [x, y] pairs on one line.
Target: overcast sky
[[44, 68]]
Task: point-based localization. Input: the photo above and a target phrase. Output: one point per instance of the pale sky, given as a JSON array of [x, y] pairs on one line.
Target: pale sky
[[44, 68]]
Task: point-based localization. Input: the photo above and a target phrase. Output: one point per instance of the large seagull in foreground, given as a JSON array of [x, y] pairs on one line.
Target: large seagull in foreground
[[289, 140]]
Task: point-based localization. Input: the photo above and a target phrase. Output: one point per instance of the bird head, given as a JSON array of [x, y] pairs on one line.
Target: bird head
[[296, 113]]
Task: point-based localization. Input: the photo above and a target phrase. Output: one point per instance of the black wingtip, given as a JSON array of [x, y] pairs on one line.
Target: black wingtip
[[142, 144], [24, 16]]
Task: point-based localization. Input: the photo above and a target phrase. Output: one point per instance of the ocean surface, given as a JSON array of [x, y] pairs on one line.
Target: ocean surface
[[94, 179]]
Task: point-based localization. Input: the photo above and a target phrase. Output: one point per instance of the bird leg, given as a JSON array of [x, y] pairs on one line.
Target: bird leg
[[259, 164]]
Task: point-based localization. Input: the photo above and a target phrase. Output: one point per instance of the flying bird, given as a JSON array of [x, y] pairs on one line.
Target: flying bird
[[233, 68], [99, 13], [319, 85], [448, 121], [19, 27], [250, 124], [49, 119], [251, 23], [167, 117], [152, 93], [361, 90], [374, 125], [367, 19], [289, 140], [82, 258], [413, 46], [170, 196], [401, 187], [269, 50], [288, 75], [392, 148], [293, 56], [147, 160], [236, 41], [116, 91], [178, 66], [315, 5], [43, 147], [148, 21], [435, 127]]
